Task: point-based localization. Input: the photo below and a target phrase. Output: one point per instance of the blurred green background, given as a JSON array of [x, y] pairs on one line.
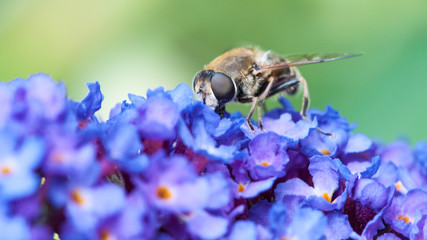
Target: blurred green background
[[130, 46]]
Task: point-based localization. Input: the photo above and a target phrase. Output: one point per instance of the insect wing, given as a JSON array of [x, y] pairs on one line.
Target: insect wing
[[304, 59]]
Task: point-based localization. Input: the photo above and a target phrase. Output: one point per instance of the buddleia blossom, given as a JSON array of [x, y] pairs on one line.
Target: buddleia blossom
[[164, 166]]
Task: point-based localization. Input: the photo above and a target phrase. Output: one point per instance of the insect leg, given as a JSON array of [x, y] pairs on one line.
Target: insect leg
[[259, 117], [306, 102], [248, 118], [264, 94], [305, 95], [261, 100]]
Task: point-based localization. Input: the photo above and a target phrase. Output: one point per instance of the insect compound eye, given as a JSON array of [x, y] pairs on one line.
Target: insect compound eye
[[195, 80], [223, 87]]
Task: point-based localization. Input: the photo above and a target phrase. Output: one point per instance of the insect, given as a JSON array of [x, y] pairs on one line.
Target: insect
[[249, 75]]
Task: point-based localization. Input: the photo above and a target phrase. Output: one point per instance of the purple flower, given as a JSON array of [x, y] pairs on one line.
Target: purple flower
[[390, 175], [36, 101], [205, 225], [18, 162], [357, 143], [86, 109], [67, 156], [181, 95], [420, 155], [267, 156], [45, 98], [13, 227], [321, 195], [134, 221], [398, 152], [365, 205], [365, 168], [243, 185], [248, 189], [405, 215], [87, 207], [285, 126], [124, 147], [173, 186], [198, 130], [329, 121], [157, 117], [359, 149], [167, 167], [339, 227], [243, 230], [306, 223], [6, 97]]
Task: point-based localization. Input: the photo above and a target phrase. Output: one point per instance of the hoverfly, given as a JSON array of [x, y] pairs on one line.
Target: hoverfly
[[249, 75]]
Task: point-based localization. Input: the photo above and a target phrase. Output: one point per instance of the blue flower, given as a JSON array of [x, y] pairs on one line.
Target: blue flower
[[29, 107], [87, 207], [181, 95], [173, 186], [420, 155], [13, 227], [41, 97], [398, 152], [329, 121], [285, 126], [243, 230], [70, 157], [205, 225], [124, 147], [325, 178], [6, 98], [167, 167], [198, 129], [18, 163], [157, 117], [408, 215], [339, 227], [86, 109], [267, 156], [365, 205], [306, 223]]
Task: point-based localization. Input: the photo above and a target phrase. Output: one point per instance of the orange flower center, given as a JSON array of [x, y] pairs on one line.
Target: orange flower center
[[398, 185], [163, 193], [241, 188], [405, 219], [265, 164], [325, 151], [327, 197], [105, 235], [77, 197], [6, 170]]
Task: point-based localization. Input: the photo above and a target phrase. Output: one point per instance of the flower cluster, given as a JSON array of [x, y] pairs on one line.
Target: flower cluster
[[167, 167]]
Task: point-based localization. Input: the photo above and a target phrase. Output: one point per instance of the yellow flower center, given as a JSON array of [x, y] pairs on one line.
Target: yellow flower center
[[404, 218], [325, 151], [78, 197], [163, 193], [265, 164], [5, 170], [327, 197], [399, 185], [241, 188]]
